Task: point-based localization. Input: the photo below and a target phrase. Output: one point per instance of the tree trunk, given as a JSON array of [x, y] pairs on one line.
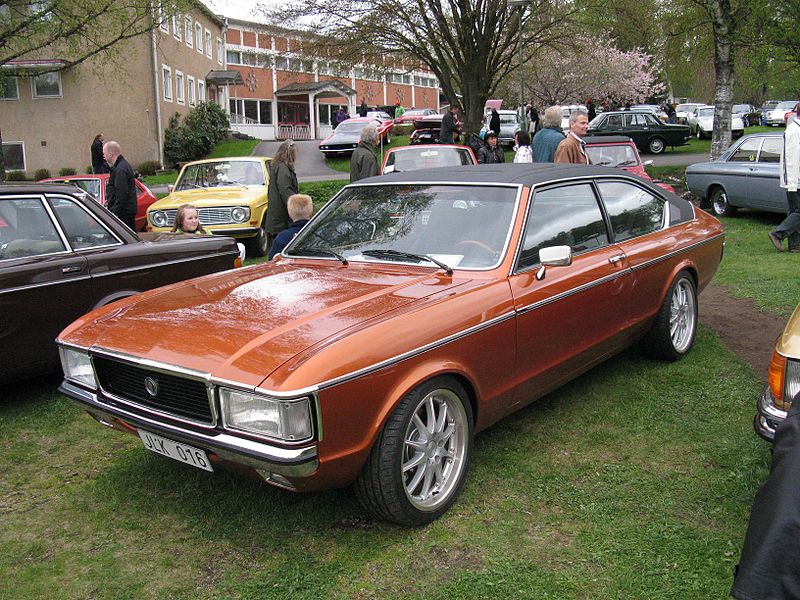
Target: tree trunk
[[723, 24]]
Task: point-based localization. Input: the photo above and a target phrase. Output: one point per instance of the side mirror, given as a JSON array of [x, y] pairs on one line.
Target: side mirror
[[648, 163], [170, 187], [553, 256]]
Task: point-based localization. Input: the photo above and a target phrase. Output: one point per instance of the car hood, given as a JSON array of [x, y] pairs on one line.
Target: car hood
[[708, 122], [215, 196], [789, 341], [243, 324]]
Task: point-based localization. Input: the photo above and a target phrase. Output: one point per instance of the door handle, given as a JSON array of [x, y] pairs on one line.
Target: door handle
[[615, 259], [71, 269]]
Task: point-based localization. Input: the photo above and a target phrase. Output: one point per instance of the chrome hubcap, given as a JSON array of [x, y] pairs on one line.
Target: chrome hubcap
[[720, 203], [435, 449], [682, 315]]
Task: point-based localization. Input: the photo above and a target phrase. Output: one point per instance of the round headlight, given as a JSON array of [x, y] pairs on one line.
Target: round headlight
[[158, 218], [240, 214]]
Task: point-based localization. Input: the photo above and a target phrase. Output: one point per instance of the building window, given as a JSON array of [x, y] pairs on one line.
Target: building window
[[187, 30], [253, 111], [201, 91], [47, 85], [14, 156], [9, 89], [179, 91], [190, 87], [234, 57], [281, 63], [220, 50], [166, 80], [176, 26], [198, 37], [209, 49], [163, 19]]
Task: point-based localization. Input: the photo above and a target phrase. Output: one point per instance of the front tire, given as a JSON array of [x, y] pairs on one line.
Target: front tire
[[720, 204], [258, 245], [419, 462], [656, 145], [673, 331]]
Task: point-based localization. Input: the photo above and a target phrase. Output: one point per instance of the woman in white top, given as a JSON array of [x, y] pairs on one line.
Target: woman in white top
[[523, 148]]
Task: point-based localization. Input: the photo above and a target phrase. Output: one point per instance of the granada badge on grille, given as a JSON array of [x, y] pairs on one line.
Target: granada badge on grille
[[151, 385]]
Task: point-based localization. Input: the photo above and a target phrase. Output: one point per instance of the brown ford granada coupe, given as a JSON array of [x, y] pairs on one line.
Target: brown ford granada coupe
[[412, 311], [62, 254]]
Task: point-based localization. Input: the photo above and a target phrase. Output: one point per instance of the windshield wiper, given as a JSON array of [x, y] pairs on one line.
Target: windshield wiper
[[407, 255], [320, 252]]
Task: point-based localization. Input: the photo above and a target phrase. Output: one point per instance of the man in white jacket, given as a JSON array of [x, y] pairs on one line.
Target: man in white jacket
[[790, 173]]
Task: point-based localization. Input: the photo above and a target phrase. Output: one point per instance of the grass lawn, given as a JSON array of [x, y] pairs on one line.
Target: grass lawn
[[223, 150]]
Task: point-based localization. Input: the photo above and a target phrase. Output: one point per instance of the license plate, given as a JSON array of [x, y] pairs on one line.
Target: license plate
[[175, 450]]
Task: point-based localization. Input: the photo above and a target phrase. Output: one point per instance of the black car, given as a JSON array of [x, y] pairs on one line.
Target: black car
[[649, 134], [427, 129], [62, 254]]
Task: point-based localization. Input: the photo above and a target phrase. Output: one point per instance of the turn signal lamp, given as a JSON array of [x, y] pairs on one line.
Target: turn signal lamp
[[775, 379]]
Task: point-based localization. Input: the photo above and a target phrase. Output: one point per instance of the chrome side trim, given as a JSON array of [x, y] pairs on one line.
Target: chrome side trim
[[292, 462], [44, 284], [572, 292], [675, 253]]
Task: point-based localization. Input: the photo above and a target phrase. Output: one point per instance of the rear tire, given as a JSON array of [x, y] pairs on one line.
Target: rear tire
[[656, 145], [720, 205], [419, 462], [673, 331], [258, 245]]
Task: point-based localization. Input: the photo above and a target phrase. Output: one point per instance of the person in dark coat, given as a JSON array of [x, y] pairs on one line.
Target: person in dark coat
[[533, 117], [363, 109], [98, 162], [282, 184], [341, 115], [547, 139], [300, 209], [491, 153], [591, 111], [363, 162], [450, 126], [121, 187], [769, 568], [494, 122]]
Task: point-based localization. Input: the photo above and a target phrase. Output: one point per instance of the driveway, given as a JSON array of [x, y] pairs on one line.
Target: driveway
[[674, 158], [310, 164]]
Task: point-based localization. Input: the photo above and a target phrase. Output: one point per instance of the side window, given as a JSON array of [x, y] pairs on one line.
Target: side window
[[747, 152], [632, 210], [26, 229], [771, 150], [614, 122], [650, 120], [83, 230], [563, 216]]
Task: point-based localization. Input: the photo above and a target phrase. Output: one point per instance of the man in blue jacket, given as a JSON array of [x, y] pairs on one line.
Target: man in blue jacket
[[547, 139]]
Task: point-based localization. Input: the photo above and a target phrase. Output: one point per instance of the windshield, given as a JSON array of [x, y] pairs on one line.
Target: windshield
[[612, 156], [351, 127], [705, 112], [786, 105], [221, 173], [741, 108], [461, 226], [411, 159], [685, 107], [508, 119]]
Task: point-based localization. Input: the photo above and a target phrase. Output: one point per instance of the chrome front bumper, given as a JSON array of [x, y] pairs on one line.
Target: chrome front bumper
[[291, 462], [768, 417]]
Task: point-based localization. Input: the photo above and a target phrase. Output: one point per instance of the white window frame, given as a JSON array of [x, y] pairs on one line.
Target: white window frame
[[177, 26], [16, 89], [166, 82], [187, 31], [24, 159], [191, 94], [162, 17], [220, 50], [201, 91], [180, 88], [209, 49], [35, 95], [198, 36]]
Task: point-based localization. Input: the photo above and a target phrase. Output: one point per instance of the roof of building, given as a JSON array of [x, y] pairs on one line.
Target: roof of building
[[336, 87]]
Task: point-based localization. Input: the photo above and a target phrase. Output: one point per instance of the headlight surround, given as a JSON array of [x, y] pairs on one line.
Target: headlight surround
[[240, 214], [783, 380], [77, 367], [158, 218], [286, 420]]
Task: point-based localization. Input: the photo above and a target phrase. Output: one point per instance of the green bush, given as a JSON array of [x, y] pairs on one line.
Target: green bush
[[16, 176], [148, 168], [65, 171], [41, 174], [201, 130]]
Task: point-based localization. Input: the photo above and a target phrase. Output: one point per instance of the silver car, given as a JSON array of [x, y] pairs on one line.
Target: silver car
[[701, 122], [509, 127], [747, 175]]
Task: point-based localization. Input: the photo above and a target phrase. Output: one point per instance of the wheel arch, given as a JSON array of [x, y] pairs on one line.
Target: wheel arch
[[113, 297]]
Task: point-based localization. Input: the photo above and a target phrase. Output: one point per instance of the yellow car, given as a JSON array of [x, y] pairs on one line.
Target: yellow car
[[229, 193]]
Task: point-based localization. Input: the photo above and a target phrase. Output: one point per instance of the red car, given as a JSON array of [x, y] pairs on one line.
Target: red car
[[620, 152], [95, 185], [414, 115]]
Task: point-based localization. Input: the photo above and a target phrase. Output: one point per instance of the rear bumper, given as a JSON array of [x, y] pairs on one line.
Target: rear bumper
[[266, 458]]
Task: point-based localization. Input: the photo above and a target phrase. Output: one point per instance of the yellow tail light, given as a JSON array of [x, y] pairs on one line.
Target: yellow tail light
[[237, 262], [777, 372]]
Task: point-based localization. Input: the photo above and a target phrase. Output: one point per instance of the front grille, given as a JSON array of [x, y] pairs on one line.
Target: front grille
[[184, 398], [208, 216]]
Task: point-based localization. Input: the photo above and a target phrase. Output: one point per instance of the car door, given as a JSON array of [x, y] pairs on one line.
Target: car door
[[568, 318], [764, 177], [44, 286], [637, 129], [733, 173]]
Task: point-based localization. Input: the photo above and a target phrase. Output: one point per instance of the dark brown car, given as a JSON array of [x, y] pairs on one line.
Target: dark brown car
[[62, 255]]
